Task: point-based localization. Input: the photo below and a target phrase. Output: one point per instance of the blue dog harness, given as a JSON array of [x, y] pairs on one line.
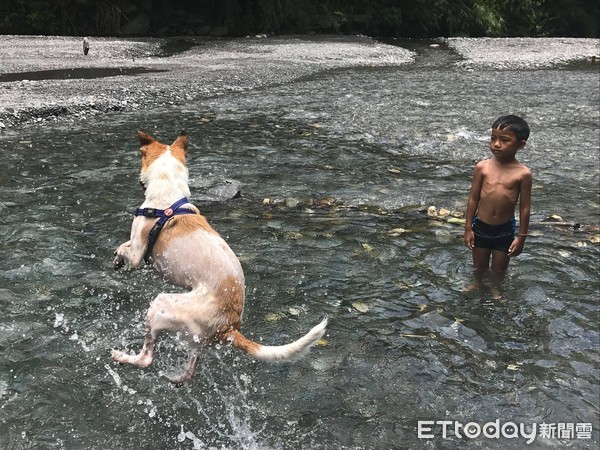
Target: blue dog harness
[[163, 216]]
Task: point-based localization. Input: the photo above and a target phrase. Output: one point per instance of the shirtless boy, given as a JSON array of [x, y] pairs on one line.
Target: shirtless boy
[[498, 184]]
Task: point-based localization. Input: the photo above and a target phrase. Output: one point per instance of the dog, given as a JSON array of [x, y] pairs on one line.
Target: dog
[[170, 233]]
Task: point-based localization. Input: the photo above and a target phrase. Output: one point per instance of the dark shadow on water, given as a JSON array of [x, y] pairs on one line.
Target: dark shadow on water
[[176, 46], [81, 73]]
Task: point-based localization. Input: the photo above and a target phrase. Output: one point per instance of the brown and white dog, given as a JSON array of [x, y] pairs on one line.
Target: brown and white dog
[[190, 253]]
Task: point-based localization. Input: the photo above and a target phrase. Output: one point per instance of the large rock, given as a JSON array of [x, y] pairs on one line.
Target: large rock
[[227, 190]]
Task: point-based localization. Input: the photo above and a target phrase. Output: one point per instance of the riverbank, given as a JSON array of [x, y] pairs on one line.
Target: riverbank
[[51, 78], [46, 79]]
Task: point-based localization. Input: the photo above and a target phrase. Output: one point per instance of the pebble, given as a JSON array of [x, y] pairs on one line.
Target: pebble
[[292, 202]]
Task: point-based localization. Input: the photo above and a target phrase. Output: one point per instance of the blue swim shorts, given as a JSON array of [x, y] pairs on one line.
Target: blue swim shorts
[[495, 237]]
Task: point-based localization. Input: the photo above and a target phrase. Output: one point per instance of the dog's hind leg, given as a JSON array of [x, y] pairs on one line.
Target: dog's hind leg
[[158, 318], [143, 358], [189, 371]]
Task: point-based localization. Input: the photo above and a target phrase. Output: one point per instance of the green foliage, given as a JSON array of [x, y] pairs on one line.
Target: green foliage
[[35, 16], [576, 18], [400, 18], [488, 17], [391, 21], [108, 18]]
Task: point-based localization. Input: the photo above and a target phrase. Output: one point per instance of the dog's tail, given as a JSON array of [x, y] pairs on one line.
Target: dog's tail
[[288, 352]]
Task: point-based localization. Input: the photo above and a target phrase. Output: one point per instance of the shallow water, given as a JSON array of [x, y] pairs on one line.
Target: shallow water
[[80, 73], [404, 343]]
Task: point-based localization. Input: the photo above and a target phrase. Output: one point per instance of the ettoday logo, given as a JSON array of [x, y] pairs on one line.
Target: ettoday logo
[[429, 429], [473, 430]]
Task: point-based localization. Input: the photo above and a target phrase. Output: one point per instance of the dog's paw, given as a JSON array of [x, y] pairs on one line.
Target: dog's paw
[[117, 356], [118, 262], [179, 380]]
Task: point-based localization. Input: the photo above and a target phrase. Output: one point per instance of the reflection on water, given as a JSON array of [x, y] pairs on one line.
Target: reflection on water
[[349, 162]]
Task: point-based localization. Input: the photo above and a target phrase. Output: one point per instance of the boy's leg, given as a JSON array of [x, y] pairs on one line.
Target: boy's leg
[[481, 259], [481, 262], [500, 262]]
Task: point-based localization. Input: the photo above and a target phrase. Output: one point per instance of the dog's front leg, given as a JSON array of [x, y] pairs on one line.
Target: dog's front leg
[[119, 260], [132, 251], [128, 252]]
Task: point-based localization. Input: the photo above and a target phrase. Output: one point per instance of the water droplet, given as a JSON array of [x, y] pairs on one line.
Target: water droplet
[[181, 435], [59, 320]]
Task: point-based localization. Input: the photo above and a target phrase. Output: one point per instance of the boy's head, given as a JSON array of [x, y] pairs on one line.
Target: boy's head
[[513, 123]]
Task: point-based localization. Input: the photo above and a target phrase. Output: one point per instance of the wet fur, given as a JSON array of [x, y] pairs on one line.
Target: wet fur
[[190, 253]]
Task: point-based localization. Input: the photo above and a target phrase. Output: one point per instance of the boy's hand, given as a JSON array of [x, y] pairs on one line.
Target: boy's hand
[[516, 247], [469, 238]]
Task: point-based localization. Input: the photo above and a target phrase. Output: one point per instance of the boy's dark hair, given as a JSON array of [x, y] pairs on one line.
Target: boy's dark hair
[[515, 124]]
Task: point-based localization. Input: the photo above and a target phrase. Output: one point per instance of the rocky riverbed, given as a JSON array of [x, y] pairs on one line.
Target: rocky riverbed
[[46, 79]]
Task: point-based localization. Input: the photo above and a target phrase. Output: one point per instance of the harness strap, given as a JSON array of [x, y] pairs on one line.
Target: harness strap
[[163, 216]]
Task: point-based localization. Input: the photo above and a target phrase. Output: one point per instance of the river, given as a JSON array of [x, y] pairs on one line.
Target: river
[[337, 170]]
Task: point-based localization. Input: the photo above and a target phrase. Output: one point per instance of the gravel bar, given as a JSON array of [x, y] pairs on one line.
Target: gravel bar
[[46, 79]]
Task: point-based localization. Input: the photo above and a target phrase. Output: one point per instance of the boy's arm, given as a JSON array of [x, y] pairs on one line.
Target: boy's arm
[[524, 213], [472, 205]]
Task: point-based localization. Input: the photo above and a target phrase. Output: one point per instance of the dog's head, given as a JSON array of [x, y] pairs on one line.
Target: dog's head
[[151, 150]]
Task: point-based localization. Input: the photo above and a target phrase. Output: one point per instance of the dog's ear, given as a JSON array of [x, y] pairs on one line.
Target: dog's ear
[[181, 141], [145, 139]]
